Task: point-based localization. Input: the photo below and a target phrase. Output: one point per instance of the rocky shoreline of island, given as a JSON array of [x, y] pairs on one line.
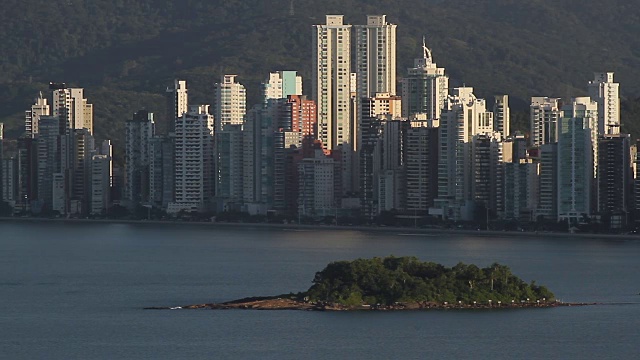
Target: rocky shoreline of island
[[284, 303]]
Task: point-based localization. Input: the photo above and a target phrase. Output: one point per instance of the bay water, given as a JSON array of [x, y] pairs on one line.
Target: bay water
[[77, 291]]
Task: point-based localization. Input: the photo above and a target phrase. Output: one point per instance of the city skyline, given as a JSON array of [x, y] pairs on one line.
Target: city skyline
[[359, 126]]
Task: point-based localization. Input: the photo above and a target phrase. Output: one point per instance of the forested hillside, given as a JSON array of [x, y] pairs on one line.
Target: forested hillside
[[125, 52]]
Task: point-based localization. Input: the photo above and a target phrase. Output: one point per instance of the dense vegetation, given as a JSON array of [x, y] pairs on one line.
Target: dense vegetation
[[406, 279], [125, 52]]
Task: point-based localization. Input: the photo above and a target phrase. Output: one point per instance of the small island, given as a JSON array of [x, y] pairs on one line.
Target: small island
[[403, 283]]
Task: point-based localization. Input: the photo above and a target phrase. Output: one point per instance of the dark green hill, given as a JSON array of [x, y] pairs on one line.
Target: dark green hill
[[125, 52]]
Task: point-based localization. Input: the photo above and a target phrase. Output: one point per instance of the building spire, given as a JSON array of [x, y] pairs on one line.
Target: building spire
[[426, 51]]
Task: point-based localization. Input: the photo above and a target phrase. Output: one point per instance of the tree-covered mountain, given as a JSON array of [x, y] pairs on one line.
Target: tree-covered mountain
[[125, 52]]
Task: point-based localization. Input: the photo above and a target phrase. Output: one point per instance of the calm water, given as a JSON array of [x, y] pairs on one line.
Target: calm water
[[77, 291]]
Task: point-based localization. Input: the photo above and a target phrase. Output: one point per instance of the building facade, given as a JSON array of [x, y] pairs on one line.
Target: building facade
[[331, 82], [194, 161]]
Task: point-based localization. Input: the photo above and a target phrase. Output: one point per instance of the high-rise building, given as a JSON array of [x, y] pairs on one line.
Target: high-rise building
[[140, 131], [230, 105], [9, 177], [548, 182], [27, 172], [376, 57], [502, 115], [229, 164], [576, 163], [282, 84], [32, 116], [303, 114], [177, 101], [331, 82], [194, 161], [421, 163], [79, 176], [390, 187], [514, 149], [545, 115], [521, 189], [464, 117], [48, 159], [606, 93], [73, 109], [316, 194], [100, 184], [486, 171], [375, 110], [161, 171], [425, 88], [614, 174]]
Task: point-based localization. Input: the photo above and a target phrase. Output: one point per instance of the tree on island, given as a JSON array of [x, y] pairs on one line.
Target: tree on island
[[406, 279]]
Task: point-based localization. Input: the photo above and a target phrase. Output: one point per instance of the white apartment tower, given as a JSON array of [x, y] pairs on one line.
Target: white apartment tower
[[73, 109], [194, 160], [502, 115], [331, 82], [426, 87], [376, 57], [607, 94], [282, 84], [32, 116], [230, 106], [545, 116], [464, 117], [177, 100]]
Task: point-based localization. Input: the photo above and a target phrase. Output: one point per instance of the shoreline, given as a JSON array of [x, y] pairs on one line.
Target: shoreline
[[283, 303], [278, 226]]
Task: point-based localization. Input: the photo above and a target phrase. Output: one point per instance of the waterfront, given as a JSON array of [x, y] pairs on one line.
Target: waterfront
[[77, 291]]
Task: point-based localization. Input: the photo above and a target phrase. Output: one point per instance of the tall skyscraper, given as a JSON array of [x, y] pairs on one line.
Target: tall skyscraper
[[161, 170], [331, 82], [32, 116], [177, 101], [194, 161], [464, 117], [375, 110], [316, 194], [140, 130], [229, 164], [548, 183], [486, 171], [421, 163], [230, 106], [545, 115], [48, 159], [100, 184], [614, 174], [79, 176], [376, 56], [73, 109], [521, 189], [502, 115], [607, 94], [576, 163], [425, 88], [282, 84]]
